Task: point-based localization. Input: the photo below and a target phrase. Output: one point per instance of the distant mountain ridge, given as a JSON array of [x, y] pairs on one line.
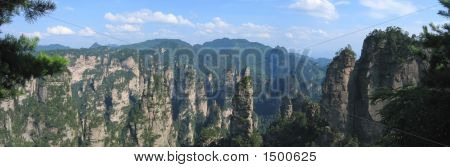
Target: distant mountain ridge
[[322, 62], [233, 43], [51, 47], [177, 43], [95, 45], [169, 43], [157, 43]]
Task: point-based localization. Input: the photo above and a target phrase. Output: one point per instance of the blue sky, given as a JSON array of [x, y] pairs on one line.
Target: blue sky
[[294, 24]]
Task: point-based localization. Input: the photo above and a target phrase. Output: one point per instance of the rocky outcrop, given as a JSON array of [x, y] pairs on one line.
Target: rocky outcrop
[[241, 123], [335, 88], [52, 120], [286, 109], [155, 125], [229, 85], [302, 103], [186, 106], [386, 62]]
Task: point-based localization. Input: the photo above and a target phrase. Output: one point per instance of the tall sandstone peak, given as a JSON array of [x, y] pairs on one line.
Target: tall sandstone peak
[[187, 108], [386, 62], [242, 116], [335, 89]]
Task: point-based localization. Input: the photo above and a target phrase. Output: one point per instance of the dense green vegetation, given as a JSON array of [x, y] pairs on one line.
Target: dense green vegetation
[[396, 43], [298, 131], [18, 62], [254, 140], [418, 116]]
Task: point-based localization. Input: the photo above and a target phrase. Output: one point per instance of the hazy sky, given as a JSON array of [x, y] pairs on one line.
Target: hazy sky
[[294, 24]]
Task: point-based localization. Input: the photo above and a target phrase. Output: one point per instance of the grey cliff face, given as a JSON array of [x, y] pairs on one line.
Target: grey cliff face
[[378, 68], [335, 97], [385, 62]]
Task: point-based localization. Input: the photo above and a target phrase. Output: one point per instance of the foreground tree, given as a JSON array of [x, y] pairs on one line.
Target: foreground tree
[[18, 61], [420, 116]]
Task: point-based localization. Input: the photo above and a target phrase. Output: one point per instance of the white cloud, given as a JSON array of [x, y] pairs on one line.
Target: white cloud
[[256, 27], [216, 25], [145, 15], [318, 8], [382, 8], [289, 35], [254, 30], [135, 17], [123, 28], [220, 28], [306, 33], [86, 32], [169, 18], [34, 34], [343, 2], [60, 30]]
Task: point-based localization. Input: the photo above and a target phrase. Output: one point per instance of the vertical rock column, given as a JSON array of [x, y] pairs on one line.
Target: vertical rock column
[[286, 108], [335, 90], [241, 123], [187, 108]]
